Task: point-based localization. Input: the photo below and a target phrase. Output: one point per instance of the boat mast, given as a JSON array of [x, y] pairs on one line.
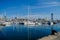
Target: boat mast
[[5, 16], [28, 13]]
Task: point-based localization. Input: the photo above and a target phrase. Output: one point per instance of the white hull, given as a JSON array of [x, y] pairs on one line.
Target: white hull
[[7, 23], [52, 23], [29, 23]]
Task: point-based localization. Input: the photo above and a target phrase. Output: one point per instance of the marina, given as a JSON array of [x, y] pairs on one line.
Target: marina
[[28, 29], [29, 20]]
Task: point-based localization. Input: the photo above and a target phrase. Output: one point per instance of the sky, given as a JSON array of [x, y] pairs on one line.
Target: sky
[[37, 8]]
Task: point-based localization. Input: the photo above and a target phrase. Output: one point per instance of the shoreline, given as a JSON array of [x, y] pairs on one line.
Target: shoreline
[[51, 37]]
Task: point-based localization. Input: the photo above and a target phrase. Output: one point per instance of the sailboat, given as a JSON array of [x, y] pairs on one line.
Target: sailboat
[[6, 23], [28, 22]]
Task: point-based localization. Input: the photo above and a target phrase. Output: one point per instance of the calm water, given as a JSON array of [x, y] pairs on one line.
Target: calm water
[[21, 32]]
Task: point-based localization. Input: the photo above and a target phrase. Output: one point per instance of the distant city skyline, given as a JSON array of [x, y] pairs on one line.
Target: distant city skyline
[[37, 8]]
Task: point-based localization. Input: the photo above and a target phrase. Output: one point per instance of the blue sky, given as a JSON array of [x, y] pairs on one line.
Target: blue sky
[[37, 8]]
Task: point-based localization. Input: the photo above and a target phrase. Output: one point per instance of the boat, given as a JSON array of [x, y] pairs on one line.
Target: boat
[[29, 23], [7, 23], [52, 23]]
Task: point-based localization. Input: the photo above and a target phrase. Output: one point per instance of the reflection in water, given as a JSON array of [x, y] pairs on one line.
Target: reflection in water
[[20, 32]]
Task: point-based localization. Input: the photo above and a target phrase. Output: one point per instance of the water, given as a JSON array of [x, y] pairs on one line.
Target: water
[[21, 32]]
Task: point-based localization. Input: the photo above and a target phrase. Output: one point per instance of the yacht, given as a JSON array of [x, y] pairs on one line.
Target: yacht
[[29, 23], [7, 23]]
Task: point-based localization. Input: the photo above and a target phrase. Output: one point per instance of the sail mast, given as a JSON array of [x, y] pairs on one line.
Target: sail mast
[[28, 16]]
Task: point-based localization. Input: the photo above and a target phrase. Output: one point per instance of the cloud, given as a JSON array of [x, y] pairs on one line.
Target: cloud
[[52, 3], [37, 16], [45, 5], [56, 16]]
